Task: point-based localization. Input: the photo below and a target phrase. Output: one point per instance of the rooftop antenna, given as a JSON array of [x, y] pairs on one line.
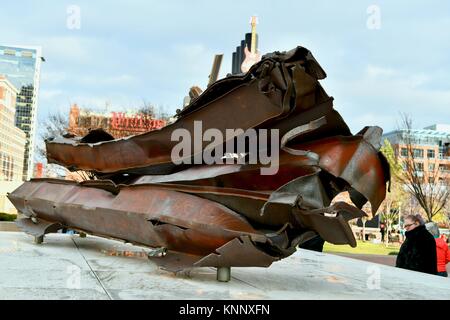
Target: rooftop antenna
[[107, 106]]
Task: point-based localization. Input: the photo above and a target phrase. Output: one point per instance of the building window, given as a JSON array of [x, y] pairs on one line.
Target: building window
[[430, 154], [431, 180], [418, 153], [404, 152], [9, 52], [419, 166], [431, 167]]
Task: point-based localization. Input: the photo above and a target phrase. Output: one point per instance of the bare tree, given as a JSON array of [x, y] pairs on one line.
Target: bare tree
[[148, 109], [445, 216], [396, 195], [153, 111], [429, 186], [56, 125]]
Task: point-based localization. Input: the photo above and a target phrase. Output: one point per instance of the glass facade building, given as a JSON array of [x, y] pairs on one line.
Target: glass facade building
[[21, 65], [426, 139]]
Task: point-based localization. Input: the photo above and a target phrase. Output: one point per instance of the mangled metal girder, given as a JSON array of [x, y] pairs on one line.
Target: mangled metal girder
[[275, 90], [221, 215], [349, 164]]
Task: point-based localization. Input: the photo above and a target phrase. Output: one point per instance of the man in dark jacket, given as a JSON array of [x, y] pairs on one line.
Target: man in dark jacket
[[418, 252]]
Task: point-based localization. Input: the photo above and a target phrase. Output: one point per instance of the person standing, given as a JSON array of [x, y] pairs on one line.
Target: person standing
[[382, 230], [442, 251], [418, 251]]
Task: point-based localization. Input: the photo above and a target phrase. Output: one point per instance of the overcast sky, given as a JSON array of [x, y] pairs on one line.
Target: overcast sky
[[128, 51]]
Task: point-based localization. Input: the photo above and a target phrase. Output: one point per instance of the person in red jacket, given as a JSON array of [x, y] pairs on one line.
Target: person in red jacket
[[442, 250]]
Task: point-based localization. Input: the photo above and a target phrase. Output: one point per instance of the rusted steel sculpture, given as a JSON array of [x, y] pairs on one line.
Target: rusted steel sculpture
[[220, 215]]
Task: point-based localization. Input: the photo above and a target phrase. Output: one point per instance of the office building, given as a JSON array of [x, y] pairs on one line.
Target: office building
[[12, 145], [430, 147], [21, 65], [12, 139]]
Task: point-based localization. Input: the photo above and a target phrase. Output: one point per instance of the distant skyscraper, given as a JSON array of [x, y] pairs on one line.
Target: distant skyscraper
[[22, 66]]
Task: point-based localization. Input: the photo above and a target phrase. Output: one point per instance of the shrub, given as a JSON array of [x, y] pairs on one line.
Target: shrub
[[7, 217]]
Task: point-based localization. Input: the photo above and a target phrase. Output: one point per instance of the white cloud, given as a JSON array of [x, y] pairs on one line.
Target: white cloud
[[381, 94], [53, 78], [376, 71], [69, 48], [98, 80], [49, 94]]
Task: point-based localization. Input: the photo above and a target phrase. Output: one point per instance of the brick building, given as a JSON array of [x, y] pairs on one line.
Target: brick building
[[118, 124]]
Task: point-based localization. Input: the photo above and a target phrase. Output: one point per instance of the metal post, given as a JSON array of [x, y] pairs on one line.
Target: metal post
[[39, 239], [223, 274]]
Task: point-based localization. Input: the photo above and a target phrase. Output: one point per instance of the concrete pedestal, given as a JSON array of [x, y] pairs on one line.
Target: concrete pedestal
[[70, 267]]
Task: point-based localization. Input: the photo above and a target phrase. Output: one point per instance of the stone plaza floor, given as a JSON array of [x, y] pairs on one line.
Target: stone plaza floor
[[70, 267]]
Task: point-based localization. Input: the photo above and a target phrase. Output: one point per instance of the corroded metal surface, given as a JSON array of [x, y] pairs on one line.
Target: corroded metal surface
[[221, 215], [265, 94]]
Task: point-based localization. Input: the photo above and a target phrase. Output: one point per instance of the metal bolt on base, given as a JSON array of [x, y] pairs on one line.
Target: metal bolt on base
[[223, 274], [82, 235], [157, 252], [39, 239]]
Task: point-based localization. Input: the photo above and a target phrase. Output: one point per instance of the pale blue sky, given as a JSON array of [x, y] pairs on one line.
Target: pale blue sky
[[130, 51]]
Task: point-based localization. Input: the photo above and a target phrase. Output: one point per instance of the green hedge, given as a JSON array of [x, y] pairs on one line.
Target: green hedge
[[7, 217]]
